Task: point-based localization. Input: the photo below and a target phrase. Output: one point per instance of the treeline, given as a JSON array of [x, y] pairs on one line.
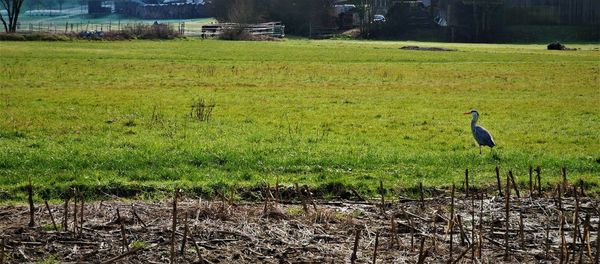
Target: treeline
[[554, 12], [297, 15]]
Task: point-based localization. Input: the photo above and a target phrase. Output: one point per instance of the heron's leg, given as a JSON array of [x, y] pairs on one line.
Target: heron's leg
[[480, 149]]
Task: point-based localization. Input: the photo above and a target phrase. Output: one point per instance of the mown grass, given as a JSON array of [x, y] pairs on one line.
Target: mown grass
[[113, 117]]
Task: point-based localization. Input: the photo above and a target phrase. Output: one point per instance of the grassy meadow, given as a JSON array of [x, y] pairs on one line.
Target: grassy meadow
[[114, 117]]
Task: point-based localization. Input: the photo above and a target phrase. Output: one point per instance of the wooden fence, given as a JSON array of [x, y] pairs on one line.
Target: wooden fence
[[271, 29]]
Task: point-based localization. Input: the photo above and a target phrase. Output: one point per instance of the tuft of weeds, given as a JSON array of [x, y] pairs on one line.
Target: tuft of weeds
[[324, 216], [207, 71], [11, 134], [294, 211], [357, 214], [215, 211], [157, 117], [201, 110], [49, 260], [50, 227], [139, 244], [129, 123]]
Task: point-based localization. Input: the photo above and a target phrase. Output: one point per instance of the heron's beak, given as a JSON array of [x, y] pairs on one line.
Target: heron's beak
[[467, 113]]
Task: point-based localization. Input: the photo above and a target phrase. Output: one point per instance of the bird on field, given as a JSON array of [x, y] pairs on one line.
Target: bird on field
[[481, 135]]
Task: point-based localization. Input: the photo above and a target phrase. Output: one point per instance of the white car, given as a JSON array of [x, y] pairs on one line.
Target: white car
[[378, 19]]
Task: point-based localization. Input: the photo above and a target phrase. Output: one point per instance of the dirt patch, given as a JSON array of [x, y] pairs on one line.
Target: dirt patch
[[427, 48], [558, 46], [306, 232]]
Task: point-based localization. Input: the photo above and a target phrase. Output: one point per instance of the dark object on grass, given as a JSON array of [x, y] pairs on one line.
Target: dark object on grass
[[31, 207], [94, 34], [354, 256], [558, 46], [426, 48]]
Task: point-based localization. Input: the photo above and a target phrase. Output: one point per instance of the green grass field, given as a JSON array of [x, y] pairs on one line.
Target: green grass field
[[113, 117]]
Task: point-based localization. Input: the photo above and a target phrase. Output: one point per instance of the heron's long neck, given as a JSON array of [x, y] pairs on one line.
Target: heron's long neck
[[474, 121]]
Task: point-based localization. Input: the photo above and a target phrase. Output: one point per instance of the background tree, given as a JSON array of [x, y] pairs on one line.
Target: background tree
[[364, 8], [13, 8], [49, 6], [242, 11], [397, 21], [60, 5], [297, 15], [31, 4], [82, 5]]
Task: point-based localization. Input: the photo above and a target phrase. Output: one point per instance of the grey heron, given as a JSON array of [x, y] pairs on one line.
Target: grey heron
[[481, 135]]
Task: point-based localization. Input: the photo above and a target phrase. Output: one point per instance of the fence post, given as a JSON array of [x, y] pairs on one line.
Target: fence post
[[66, 27]]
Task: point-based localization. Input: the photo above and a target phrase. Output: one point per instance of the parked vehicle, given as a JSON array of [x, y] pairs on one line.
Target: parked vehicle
[[378, 19]]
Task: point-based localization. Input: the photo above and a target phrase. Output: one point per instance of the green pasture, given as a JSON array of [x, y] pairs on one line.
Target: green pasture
[[114, 117]]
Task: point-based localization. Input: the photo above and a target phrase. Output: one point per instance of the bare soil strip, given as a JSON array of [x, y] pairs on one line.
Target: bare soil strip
[[303, 231]]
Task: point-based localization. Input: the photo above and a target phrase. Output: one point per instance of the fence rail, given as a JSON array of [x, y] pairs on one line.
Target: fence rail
[[77, 27], [271, 29]]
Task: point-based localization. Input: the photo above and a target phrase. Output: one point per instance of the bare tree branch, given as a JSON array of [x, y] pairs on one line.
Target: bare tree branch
[[4, 6], [4, 23], [17, 11], [13, 8]]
